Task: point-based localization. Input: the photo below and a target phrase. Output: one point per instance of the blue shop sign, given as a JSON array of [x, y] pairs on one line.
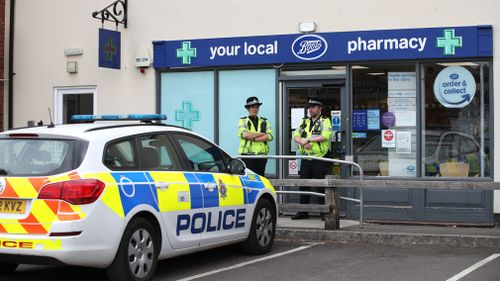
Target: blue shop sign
[[422, 43]]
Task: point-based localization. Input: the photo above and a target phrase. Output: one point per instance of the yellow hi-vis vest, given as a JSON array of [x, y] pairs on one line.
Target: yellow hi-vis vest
[[254, 147], [306, 128]]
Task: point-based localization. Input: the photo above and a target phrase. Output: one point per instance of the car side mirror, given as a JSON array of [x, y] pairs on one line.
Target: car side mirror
[[237, 166]]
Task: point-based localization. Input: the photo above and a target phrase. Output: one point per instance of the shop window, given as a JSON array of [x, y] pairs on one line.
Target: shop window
[[384, 119], [456, 118], [187, 98], [235, 86]]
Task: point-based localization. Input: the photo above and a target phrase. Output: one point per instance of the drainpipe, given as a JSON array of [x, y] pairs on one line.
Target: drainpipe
[[11, 63]]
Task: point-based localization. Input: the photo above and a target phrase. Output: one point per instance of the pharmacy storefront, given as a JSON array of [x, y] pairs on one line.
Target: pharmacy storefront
[[407, 103]]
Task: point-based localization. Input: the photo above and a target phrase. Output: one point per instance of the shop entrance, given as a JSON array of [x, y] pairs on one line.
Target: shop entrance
[[296, 95]]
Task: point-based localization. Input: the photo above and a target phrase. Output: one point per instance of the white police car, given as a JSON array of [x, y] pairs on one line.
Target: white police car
[[122, 195]]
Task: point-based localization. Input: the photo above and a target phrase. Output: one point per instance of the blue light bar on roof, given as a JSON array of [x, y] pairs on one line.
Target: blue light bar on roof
[[129, 117]]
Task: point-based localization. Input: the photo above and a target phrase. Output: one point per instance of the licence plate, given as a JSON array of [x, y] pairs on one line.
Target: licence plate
[[10, 206]]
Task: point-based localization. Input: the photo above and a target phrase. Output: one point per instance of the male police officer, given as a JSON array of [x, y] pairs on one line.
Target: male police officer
[[313, 137], [254, 133]]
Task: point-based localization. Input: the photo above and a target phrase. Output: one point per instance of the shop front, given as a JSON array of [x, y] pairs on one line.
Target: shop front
[[408, 103]]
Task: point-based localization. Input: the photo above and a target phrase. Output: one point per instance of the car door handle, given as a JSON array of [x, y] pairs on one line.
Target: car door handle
[[210, 186], [162, 185]]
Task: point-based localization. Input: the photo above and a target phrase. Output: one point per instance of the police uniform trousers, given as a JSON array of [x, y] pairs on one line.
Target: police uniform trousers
[[312, 169], [256, 165]]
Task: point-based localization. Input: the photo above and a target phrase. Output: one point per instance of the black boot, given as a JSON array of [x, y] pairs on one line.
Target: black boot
[[300, 216]]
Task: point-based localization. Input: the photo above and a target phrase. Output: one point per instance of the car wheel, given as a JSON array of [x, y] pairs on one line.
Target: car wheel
[[137, 255], [7, 267], [261, 236]]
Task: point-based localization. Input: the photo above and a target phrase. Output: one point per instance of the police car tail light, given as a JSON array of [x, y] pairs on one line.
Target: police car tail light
[[76, 192]]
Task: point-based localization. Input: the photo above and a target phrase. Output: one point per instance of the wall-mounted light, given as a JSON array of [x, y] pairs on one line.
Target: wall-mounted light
[[73, 52], [307, 27]]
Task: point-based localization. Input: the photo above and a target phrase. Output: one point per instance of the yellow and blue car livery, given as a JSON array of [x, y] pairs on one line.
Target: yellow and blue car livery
[[80, 211], [186, 204]]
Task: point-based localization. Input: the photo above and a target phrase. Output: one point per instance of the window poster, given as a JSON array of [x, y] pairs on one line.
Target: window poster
[[388, 139], [402, 167], [402, 84], [296, 115], [401, 97], [373, 119], [359, 120], [403, 142]]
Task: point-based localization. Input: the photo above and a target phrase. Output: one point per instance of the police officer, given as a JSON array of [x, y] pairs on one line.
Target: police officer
[[255, 134], [313, 138]]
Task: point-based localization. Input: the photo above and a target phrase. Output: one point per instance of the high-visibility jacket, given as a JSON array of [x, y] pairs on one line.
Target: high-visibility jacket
[[254, 147], [308, 128]]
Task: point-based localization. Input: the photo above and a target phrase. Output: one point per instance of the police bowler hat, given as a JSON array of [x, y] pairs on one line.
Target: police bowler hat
[[315, 101], [252, 101]]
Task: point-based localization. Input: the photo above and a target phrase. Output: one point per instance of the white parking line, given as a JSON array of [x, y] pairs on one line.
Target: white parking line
[[249, 262], [473, 267]]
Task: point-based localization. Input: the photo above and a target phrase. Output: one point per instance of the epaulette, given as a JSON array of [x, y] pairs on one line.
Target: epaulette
[[263, 118], [243, 117]]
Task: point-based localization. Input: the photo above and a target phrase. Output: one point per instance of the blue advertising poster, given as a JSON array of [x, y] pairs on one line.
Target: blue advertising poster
[[109, 48], [421, 43], [373, 119], [359, 120]]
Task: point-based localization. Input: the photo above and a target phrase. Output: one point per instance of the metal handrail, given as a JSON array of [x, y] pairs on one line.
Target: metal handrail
[[352, 163]]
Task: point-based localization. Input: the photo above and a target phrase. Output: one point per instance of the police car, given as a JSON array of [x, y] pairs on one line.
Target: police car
[[123, 195]]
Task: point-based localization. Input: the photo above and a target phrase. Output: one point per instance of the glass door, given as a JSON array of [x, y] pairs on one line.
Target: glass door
[[296, 97]]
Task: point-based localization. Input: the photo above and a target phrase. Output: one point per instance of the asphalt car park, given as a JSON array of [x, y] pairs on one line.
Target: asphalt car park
[[307, 261]]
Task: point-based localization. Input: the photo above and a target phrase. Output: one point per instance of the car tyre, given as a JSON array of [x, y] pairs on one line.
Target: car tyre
[[6, 267], [137, 256], [261, 236]]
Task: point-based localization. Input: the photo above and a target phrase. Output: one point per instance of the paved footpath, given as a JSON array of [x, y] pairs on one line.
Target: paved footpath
[[396, 235]]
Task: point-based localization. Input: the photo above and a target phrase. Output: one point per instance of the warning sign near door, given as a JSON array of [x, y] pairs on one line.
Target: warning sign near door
[[293, 167], [388, 138]]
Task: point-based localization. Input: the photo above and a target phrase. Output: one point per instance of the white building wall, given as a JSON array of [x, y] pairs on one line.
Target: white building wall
[[43, 29]]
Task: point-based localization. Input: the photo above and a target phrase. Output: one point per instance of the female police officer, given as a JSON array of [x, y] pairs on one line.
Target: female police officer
[[254, 133]]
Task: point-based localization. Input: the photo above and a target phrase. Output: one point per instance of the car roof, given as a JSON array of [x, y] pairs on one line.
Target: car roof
[[95, 130]]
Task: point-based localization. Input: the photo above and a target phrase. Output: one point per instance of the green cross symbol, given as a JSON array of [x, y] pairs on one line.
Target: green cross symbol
[[110, 49], [186, 116], [449, 42], [186, 52]]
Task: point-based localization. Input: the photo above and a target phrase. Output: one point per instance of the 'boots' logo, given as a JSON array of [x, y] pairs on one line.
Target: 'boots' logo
[[309, 47]]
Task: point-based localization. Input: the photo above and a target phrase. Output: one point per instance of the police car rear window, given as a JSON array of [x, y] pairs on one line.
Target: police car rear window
[[39, 157]]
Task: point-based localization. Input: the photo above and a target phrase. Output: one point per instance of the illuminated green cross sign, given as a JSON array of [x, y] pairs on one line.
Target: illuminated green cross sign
[[449, 42], [186, 116], [110, 49], [186, 52]]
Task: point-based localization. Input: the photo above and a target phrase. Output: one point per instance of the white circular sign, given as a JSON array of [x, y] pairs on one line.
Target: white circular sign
[[454, 87]]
